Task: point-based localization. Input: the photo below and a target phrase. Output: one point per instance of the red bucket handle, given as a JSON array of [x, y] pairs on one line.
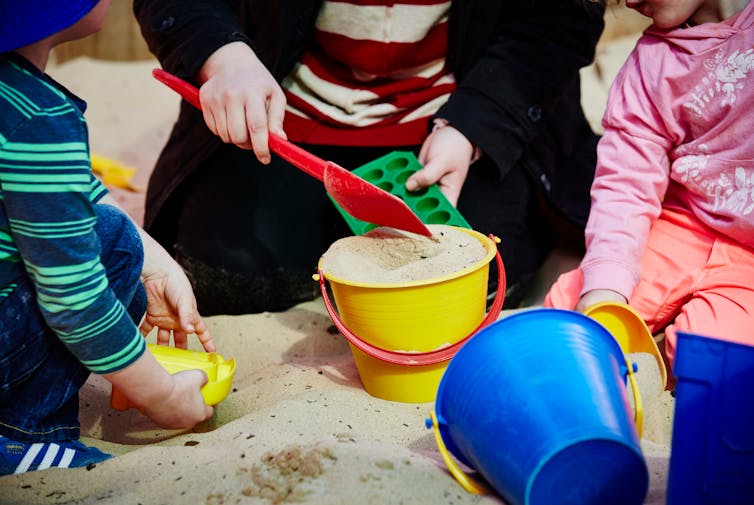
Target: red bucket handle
[[418, 358]]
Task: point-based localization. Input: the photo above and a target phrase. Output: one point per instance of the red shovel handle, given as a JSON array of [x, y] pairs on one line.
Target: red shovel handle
[[293, 154], [417, 358], [187, 91]]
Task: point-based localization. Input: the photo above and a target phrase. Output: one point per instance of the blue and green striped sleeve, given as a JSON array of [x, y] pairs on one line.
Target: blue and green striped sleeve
[[47, 193]]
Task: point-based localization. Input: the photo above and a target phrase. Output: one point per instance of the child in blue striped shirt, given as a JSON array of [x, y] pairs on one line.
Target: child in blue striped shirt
[[77, 276]]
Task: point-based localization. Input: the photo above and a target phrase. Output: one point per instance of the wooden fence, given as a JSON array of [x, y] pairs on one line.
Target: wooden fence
[[119, 39]]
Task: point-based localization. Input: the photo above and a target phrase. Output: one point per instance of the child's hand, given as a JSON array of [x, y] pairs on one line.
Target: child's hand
[[172, 401], [446, 156], [241, 101], [171, 304], [184, 407], [171, 308], [597, 296]]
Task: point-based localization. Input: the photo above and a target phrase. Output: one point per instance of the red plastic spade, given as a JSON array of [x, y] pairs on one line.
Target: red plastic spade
[[361, 199]]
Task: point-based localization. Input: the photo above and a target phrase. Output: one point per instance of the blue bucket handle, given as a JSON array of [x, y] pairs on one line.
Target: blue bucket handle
[[638, 405], [470, 484]]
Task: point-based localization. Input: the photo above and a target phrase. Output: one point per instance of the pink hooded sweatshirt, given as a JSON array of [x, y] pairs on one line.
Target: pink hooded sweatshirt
[[679, 133]]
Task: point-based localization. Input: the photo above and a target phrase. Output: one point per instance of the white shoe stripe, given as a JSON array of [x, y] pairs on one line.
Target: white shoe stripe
[[28, 458], [52, 451], [65, 461]]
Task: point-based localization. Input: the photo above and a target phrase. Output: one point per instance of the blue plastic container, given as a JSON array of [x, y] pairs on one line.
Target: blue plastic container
[[537, 404], [712, 452]]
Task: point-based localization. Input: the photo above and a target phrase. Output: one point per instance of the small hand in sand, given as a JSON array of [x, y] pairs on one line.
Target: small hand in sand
[[171, 308], [184, 407]]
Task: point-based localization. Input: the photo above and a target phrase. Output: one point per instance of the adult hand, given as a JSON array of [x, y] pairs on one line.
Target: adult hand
[[445, 156], [597, 296], [241, 101]]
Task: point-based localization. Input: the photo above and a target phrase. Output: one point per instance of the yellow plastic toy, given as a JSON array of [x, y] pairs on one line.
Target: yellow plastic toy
[[629, 329], [219, 372], [113, 173]]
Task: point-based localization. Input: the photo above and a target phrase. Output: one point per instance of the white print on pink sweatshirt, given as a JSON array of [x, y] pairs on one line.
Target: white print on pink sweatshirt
[[679, 132]]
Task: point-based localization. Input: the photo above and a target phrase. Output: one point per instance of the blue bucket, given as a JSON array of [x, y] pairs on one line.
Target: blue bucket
[[537, 404], [712, 451]]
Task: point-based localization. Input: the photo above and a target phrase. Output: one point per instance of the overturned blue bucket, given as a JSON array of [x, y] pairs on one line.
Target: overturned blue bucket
[[536, 403], [712, 452]]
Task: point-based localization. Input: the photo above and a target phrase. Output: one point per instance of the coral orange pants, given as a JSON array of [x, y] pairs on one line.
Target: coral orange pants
[[692, 280]]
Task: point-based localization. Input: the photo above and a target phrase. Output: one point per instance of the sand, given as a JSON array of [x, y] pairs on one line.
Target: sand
[[297, 426], [387, 255]]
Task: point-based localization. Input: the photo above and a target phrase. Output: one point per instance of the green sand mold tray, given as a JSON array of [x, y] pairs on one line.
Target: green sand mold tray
[[390, 173]]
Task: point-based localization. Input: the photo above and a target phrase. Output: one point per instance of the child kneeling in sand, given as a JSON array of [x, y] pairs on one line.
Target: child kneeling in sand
[[76, 275], [671, 227]]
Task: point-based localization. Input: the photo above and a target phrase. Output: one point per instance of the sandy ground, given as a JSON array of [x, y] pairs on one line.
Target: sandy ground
[[297, 425]]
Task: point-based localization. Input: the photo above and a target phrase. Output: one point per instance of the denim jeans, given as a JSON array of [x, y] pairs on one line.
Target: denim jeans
[[39, 378]]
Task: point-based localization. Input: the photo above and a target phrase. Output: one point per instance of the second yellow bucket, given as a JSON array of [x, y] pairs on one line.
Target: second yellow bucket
[[402, 335], [629, 329]]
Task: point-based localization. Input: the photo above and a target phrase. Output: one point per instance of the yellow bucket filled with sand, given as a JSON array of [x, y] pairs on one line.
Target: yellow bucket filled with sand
[[407, 303]]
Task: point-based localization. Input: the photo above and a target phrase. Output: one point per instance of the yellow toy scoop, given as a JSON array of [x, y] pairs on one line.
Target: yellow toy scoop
[[219, 372], [113, 173], [629, 329]]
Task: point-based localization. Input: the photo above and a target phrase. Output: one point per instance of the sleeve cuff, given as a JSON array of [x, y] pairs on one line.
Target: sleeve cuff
[[438, 123], [609, 275]]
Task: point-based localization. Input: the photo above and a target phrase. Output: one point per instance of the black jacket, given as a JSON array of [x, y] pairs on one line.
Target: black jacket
[[516, 63]]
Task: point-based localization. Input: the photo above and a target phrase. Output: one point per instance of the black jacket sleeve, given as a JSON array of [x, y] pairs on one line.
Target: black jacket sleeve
[[514, 67], [183, 34]]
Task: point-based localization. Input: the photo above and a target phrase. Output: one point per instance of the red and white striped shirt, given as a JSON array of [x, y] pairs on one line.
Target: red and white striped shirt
[[373, 76]]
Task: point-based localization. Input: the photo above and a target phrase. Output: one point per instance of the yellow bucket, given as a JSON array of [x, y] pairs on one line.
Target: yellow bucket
[[403, 334], [629, 329]]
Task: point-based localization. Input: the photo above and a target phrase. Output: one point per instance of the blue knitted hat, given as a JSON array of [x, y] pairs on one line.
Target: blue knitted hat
[[23, 22]]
